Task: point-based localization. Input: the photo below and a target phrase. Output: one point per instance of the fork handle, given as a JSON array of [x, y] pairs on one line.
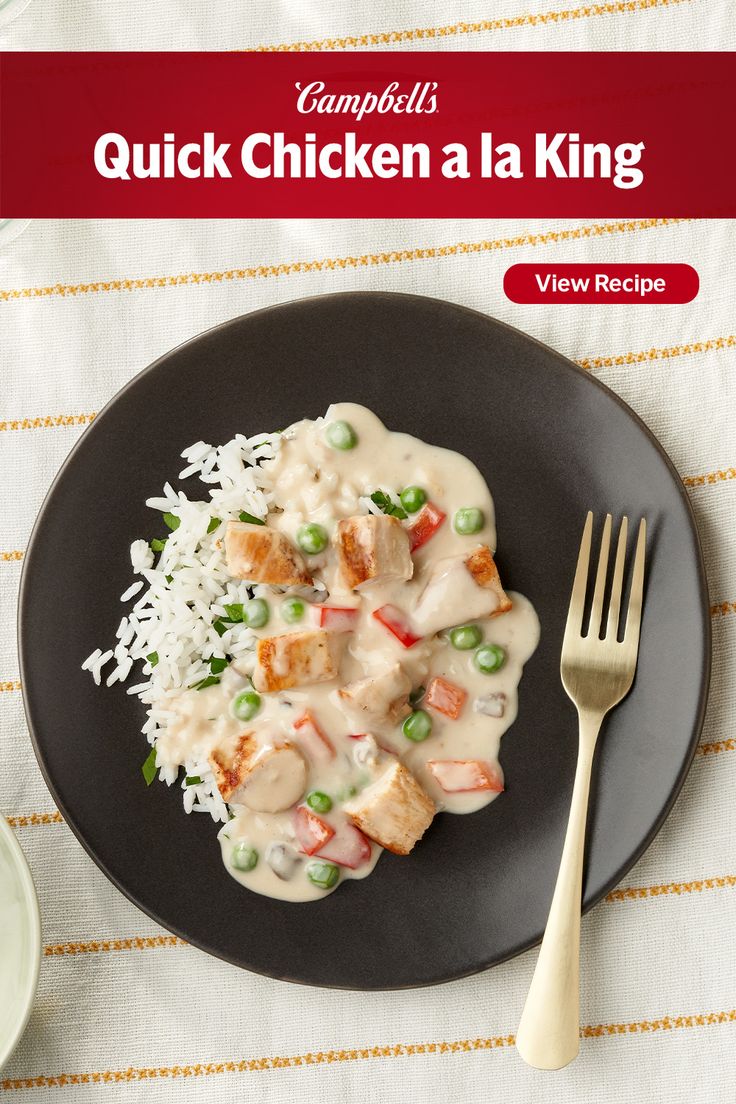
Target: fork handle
[[549, 1031]]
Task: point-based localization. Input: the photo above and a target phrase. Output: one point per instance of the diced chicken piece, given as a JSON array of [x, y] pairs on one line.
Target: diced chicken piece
[[231, 761], [373, 548], [310, 737], [263, 555], [461, 588], [379, 698], [482, 567], [445, 697], [297, 659], [466, 775], [394, 811], [267, 780]]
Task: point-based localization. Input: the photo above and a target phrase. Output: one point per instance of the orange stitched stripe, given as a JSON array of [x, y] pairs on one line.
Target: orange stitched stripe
[[8, 687], [723, 608], [99, 946], [710, 478], [666, 1023], [648, 355], [11, 557], [152, 942], [329, 264], [671, 889], [450, 30], [716, 747], [33, 820], [49, 421], [712, 344], [353, 1054]]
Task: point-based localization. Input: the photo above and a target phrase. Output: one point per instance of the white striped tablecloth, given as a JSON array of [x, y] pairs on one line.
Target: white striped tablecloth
[[125, 1011], [382, 25]]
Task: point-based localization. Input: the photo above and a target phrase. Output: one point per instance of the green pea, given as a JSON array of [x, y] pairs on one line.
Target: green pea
[[412, 499], [417, 726], [341, 435], [244, 857], [311, 538], [468, 520], [292, 609], [246, 705], [489, 658], [256, 613], [323, 874], [320, 802], [465, 637]]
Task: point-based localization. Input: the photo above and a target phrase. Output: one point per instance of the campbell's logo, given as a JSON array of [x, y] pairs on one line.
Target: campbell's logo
[[315, 97]]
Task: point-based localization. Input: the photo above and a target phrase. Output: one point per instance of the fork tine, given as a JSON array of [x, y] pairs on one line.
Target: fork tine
[[614, 607], [577, 598], [633, 617], [594, 625]]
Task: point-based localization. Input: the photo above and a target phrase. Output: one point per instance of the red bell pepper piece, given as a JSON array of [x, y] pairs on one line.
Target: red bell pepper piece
[[428, 521], [312, 739], [466, 775], [311, 831], [445, 697], [397, 623], [348, 847], [336, 618]]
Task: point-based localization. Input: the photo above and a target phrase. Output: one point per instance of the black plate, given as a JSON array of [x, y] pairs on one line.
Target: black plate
[[552, 443]]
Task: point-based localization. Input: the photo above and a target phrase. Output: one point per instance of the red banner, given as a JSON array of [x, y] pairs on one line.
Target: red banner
[[367, 135]]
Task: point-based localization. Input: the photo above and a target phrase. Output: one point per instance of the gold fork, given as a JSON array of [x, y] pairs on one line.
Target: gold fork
[[597, 674]]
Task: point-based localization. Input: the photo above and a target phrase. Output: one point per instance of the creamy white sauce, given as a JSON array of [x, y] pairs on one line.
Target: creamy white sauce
[[315, 483]]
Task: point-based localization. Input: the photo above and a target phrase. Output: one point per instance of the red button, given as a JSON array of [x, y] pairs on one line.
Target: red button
[[608, 283]]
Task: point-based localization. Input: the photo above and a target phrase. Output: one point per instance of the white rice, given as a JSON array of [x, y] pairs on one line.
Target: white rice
[[181, 591], [131, 591]]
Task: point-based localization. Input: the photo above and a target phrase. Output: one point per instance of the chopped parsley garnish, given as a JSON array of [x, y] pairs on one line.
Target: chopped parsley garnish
[[219, 626], [157, 544], [386, 506], [234, 612], [245, 516], [149, 767], [169, 578], [214, 522], [152, 658], [217, 665], [211, 680], [172, 521], [193, 780]]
